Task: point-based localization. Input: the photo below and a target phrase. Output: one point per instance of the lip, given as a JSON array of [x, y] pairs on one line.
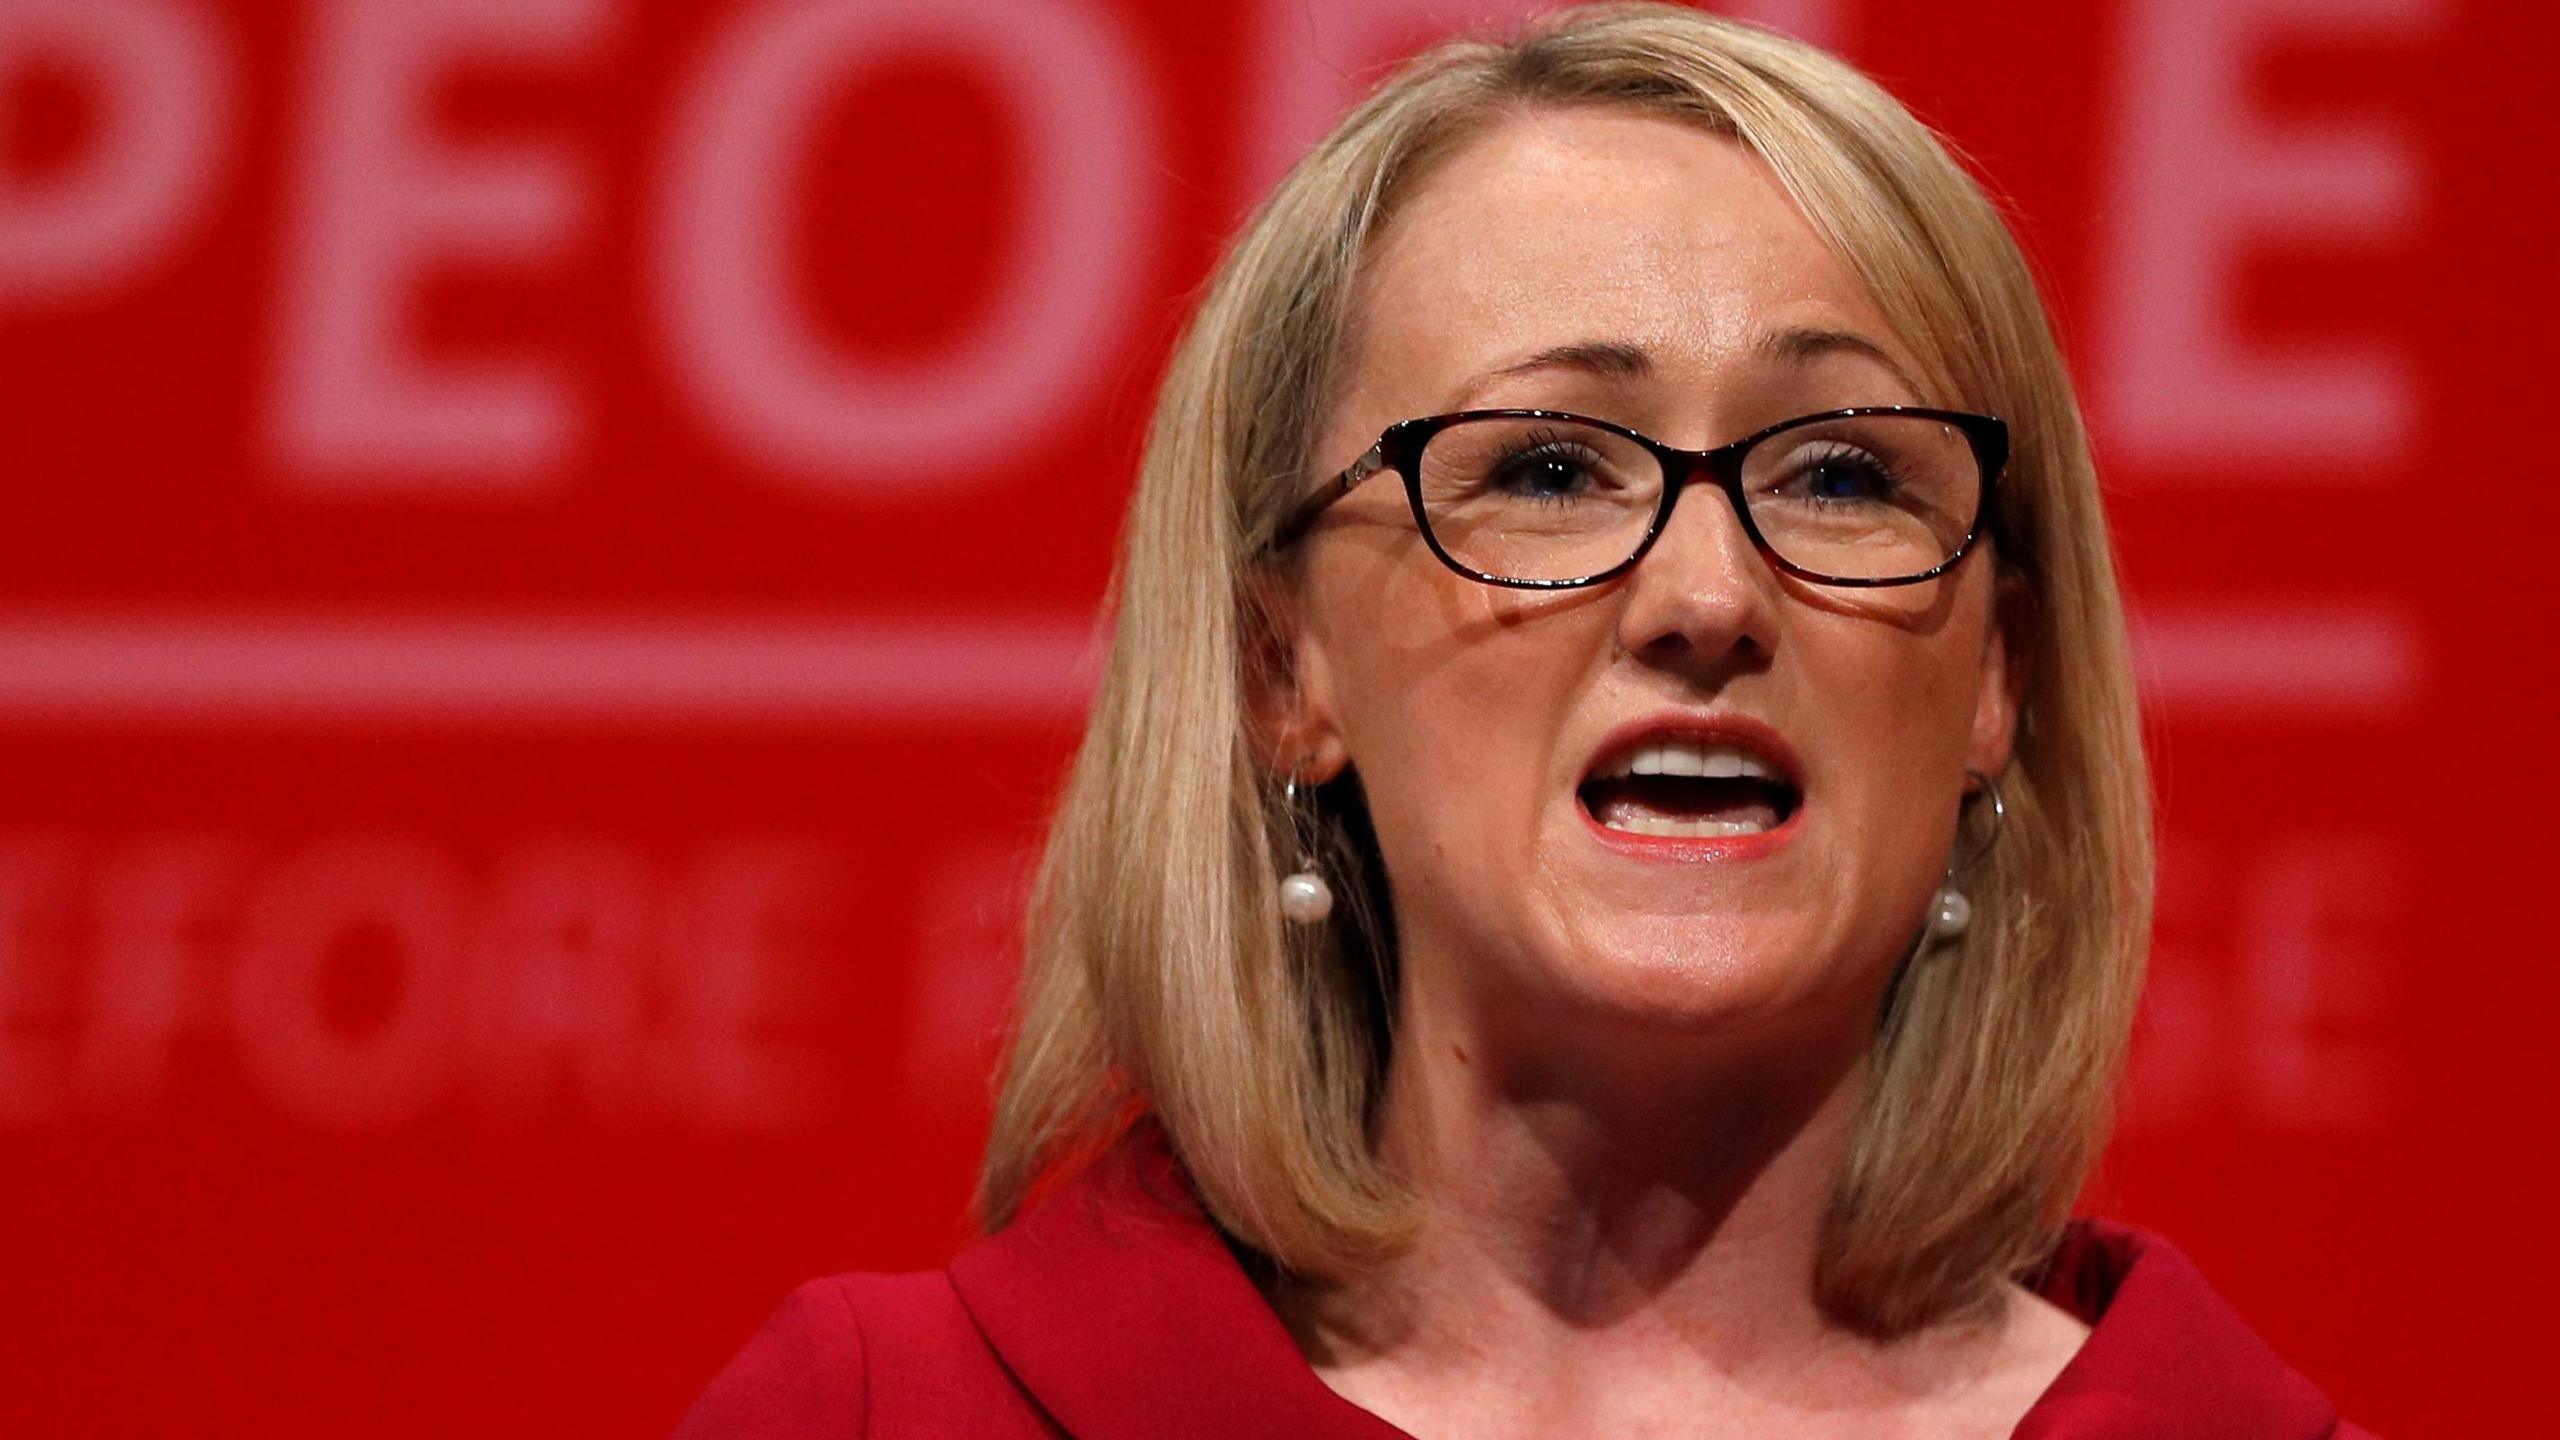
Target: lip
[[1698, 729]]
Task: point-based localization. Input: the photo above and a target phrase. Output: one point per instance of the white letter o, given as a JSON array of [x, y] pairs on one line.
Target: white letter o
[[754, 363]]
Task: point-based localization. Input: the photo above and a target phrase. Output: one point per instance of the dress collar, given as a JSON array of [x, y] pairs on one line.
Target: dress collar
[[1118, 1307], [2167, 1358]]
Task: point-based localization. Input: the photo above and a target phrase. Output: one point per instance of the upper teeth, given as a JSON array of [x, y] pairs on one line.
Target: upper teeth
[[1714, 762]]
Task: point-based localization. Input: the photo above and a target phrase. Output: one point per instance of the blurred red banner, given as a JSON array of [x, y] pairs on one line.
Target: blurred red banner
[[549, 553]]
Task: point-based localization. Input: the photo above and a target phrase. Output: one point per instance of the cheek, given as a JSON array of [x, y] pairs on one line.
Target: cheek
[[1898, 710], [1450, 694]]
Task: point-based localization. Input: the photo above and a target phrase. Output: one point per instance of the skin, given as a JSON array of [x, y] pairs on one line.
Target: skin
[[1622, 1085]]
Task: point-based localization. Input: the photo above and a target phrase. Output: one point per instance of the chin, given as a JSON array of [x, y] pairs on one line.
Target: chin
[[1702, 977]]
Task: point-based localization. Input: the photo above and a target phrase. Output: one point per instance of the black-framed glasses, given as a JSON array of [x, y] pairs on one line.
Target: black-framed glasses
[[1547, 500]]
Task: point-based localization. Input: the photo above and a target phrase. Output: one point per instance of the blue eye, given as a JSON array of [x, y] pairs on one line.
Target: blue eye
[[1541, 477], [1543, 468], [1844, 475]]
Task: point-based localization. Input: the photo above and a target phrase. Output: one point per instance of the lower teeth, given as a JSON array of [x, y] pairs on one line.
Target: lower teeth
[[1663, 825]]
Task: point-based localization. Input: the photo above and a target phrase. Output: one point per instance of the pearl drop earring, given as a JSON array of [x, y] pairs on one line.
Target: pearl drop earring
[[1304, 897], [1955, 911]]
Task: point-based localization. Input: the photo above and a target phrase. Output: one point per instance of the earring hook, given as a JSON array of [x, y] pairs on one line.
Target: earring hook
[[1999, 818]]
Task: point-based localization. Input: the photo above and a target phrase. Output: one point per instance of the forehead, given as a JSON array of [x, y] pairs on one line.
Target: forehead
[[1562, 226]]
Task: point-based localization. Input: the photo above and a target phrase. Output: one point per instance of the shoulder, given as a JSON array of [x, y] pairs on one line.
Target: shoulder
[[860, 1355], [804, 1374]]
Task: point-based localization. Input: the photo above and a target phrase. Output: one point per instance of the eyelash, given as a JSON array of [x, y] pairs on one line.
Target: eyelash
[[1884, 471], [1543, 444]]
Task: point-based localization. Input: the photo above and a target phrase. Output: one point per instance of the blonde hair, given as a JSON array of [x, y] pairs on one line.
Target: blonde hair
[[1159, 974]]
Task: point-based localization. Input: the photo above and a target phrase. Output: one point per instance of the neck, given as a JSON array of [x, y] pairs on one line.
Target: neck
[[1604, 1185], [1615, 1228]]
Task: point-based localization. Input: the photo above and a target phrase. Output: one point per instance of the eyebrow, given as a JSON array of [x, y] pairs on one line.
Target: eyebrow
[[1615, 359], [1623, 360], [1610, 359], [1802, 345]]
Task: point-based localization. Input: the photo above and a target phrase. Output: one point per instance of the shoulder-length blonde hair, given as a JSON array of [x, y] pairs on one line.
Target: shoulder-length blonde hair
[[1159, 976]]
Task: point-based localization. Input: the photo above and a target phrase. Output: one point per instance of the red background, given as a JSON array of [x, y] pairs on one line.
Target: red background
[[517, 745]]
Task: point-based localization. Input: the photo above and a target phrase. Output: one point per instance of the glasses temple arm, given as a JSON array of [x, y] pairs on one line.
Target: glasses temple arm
[[1305, 512]]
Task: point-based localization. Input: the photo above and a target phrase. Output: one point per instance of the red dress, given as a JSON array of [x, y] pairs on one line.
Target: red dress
[[1113, 1311]]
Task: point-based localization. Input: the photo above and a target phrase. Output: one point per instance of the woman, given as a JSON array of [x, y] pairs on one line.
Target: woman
[[1606, 883]]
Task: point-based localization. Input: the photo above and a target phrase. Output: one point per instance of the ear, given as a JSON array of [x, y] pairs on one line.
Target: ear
[[1998, 699], [1288, 686]]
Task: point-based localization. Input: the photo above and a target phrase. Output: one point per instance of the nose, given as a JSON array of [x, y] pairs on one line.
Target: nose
[[1702, 592]]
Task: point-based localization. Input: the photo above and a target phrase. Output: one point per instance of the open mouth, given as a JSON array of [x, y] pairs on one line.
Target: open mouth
[[1681, 788]]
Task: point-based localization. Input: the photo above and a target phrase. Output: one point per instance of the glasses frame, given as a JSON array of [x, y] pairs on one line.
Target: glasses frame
[[1399, 448]]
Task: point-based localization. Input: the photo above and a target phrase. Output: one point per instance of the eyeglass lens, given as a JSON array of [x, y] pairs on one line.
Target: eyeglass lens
[[1872, 497]]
